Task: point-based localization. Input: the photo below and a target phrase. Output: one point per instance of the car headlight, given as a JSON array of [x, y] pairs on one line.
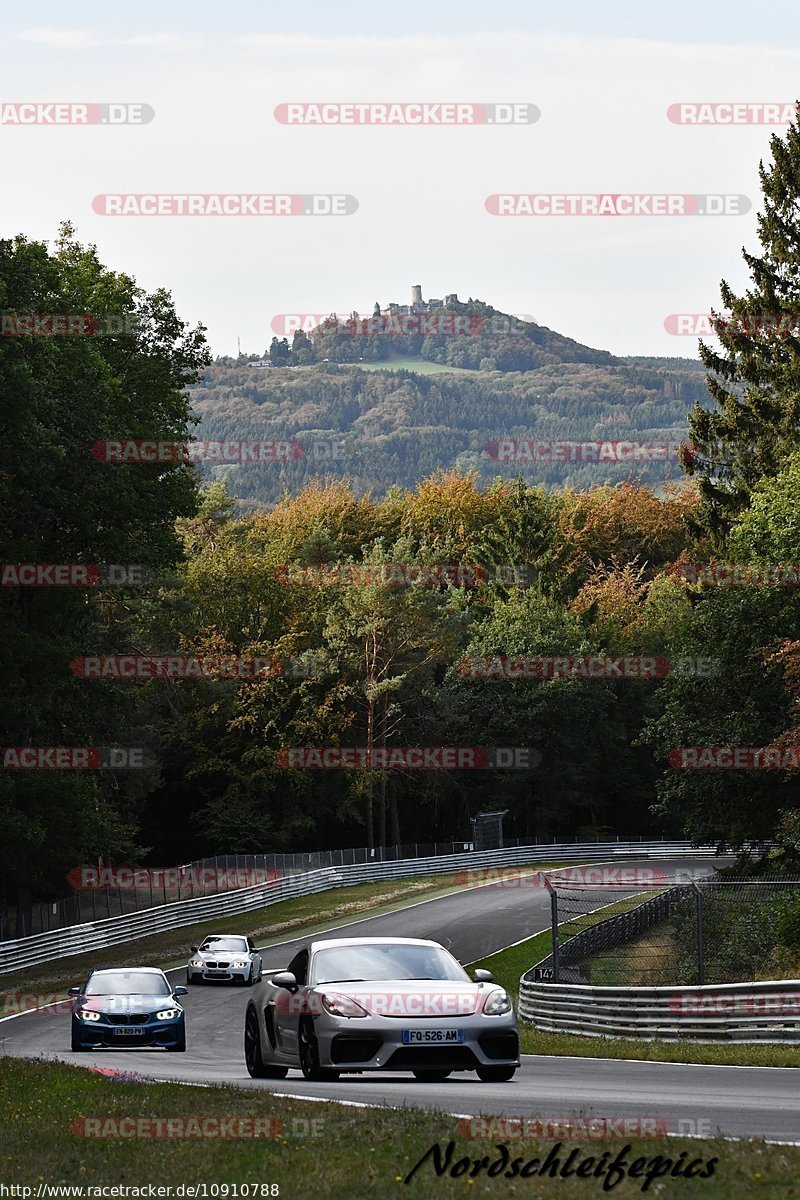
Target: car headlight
[[168, 1014], [497, 1003], [239, 964], [88, 1014], [342, 1006], [197, 962]]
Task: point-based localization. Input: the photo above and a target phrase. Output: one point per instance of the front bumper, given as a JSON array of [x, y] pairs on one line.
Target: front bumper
[[227, 974], [370, 1044], [150, 1033]]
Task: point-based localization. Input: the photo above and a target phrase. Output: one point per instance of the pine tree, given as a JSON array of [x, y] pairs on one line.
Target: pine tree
[[755, 377]]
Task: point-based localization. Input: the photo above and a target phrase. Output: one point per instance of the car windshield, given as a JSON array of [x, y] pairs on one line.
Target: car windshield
[[359, 963], [231, 945], [127, 983]]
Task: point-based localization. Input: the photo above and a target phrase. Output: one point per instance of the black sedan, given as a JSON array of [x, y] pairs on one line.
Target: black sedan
[[128, 1006]]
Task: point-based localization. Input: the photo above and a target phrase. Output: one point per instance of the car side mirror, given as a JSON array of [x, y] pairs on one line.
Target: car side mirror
[[74, 991], [482, 976], [193, 949], [285, 979], [180, 991]]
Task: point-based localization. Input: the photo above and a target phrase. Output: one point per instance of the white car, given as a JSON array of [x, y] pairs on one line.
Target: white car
[[229, 958], [379, 1004]]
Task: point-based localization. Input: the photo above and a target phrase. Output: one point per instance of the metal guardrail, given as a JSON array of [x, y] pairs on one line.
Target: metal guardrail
[[736, 1012], [98, 935]]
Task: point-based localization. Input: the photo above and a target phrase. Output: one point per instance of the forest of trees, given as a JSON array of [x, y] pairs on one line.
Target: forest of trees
[[604, 570], [396, 427]]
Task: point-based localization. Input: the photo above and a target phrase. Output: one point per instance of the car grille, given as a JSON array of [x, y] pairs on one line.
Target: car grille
[[217, 964], [128, 1018], [441, 1058]]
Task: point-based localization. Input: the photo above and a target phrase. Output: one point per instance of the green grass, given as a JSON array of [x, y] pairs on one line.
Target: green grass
[[323, 1149], [419, 366], [509, 965], [287, 919]]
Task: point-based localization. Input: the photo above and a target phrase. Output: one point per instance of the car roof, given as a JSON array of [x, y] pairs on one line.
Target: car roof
[[127, 971], [216, 936], [330, 943]]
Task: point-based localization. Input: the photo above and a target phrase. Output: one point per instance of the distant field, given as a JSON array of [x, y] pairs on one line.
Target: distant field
[[412, 364]]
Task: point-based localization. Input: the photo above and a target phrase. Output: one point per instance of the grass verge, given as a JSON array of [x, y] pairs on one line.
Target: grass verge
[[336, 1152]]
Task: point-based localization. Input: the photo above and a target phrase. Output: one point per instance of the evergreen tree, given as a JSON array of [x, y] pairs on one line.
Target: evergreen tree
[[755, 377]]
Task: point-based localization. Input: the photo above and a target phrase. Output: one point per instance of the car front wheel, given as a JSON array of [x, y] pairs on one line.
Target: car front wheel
[[309, 1056], [256, 1067], [496, 1074]]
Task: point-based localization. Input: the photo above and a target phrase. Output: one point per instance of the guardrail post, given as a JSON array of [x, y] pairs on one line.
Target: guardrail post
[[554, 922], [698, 903]]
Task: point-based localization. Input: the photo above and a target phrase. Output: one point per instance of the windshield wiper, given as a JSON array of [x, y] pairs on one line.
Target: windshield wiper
[[355, 980]]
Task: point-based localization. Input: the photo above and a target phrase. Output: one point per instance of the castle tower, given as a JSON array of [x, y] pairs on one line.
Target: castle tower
[[416, 294]]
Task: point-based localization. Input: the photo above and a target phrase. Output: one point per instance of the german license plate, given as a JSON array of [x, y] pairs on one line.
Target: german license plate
[[129, 1031], [428, 1037]]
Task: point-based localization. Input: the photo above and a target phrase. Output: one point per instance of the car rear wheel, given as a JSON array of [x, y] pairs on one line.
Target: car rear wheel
[[496, 1074], [256, 1067], [309, 1056], [432, 1076]]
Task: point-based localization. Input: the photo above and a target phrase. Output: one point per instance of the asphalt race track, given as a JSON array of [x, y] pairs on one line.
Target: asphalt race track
[[735, 1101]]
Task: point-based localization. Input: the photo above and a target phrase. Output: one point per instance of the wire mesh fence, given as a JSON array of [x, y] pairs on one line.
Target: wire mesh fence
[[98, 892], [687, 929]]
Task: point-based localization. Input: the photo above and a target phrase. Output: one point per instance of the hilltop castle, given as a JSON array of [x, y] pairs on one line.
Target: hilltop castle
[[417, 305]]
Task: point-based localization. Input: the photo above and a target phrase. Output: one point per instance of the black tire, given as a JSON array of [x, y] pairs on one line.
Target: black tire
[[189, 980], [496, 1074], [77, 1044], [256, 1067], [309, 1055], [179, 1047], [432, 1076]]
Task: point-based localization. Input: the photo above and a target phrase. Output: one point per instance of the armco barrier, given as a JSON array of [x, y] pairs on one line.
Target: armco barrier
[[735, 1012], [97, 935]]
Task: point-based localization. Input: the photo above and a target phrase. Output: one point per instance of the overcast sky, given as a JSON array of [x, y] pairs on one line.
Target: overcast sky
[[603, 76]]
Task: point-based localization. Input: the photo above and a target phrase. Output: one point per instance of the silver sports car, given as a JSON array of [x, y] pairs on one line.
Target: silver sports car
[[379, 1004], [225, 957]]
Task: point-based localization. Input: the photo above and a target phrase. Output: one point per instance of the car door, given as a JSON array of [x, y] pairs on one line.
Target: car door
[[286, 1008]]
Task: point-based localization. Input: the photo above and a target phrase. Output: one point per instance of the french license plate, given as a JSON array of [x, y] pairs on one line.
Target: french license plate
[[128, 1031], [428, 1037]]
